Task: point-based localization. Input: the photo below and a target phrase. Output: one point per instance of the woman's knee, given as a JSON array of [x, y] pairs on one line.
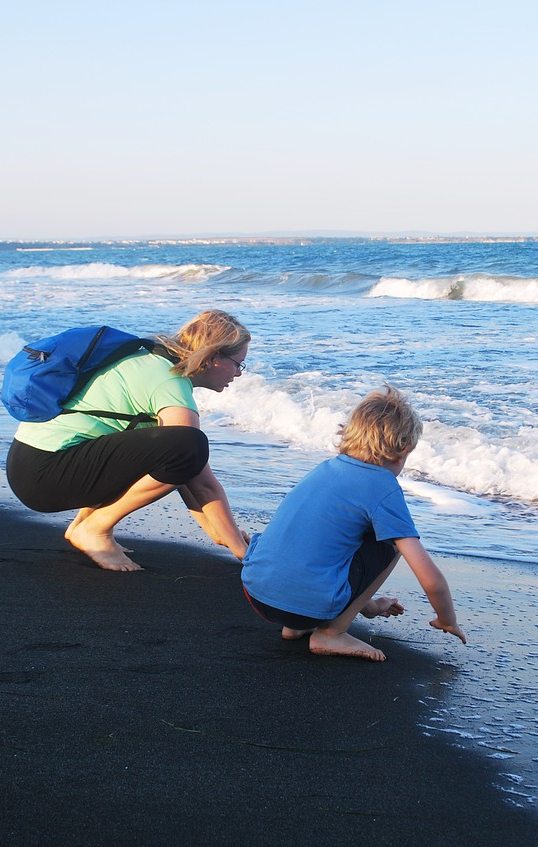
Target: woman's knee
[[196, 446], [187, 454]]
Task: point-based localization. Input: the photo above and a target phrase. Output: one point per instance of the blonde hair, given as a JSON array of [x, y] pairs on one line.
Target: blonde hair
[[208, 334], [382, 428]]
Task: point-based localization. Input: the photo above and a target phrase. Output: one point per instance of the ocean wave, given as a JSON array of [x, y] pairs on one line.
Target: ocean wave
[[454, 457], [257, 406], [52, 249], [105, 270], [472, 287], [346, 281], [449, 457], [464, 458], [478, 287], [300, 281]]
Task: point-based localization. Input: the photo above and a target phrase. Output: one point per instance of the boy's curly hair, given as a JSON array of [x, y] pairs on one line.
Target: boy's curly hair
[[382, 428]]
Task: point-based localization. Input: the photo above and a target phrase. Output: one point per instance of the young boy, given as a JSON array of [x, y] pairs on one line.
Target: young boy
[[338, 534]]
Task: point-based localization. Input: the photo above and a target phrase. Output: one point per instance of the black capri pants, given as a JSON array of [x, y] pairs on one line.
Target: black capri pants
[[100, 470]]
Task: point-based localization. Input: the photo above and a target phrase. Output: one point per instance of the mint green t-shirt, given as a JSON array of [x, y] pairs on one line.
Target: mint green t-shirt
[[142, 382]]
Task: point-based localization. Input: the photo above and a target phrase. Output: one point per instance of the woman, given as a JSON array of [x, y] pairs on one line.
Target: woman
[[79, 461]]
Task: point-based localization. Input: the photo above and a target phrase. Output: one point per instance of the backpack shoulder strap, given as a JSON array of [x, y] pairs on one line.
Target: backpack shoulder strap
[[142, 417], [134, 420]]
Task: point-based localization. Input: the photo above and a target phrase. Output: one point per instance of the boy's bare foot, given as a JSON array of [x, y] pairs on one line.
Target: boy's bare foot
[[343, 644], [293, 634], [100, 547]]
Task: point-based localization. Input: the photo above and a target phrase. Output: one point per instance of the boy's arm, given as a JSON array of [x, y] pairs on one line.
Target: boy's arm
[[434, 584]]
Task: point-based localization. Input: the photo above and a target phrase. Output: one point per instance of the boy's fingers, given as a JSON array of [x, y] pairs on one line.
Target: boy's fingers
[[459, 633], [453, 630]]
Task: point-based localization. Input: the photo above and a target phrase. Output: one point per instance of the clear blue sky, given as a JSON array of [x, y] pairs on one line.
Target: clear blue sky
[[126, 118]]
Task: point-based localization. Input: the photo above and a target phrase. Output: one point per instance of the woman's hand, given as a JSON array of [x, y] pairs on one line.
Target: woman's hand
[[206, 499]]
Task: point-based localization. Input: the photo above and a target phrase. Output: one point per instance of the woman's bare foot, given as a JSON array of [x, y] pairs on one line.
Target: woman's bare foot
[[81, 516], [100, 547], [293, 634], [323, 643]]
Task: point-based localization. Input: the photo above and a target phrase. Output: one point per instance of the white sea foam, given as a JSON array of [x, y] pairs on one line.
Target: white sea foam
[[453, 462], [104, 270], [10, 343], [445, 500], [451, 456], [51, 249], [478, 287], [513, 290], [425, 289], [462, 457], [257, 406]]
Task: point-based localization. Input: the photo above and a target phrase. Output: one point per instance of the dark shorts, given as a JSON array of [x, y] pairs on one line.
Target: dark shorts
[[100, 470], [370, 560]]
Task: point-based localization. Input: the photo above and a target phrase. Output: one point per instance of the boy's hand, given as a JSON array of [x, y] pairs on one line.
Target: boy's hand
[[453, 630], [387, 606], [383, 607]]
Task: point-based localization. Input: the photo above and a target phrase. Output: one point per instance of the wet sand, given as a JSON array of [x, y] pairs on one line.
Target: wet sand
[[155, 708]]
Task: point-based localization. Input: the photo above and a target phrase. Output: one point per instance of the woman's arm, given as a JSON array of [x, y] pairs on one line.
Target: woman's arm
[[207, 502], [196, 511], [203, 495], [434, 584]]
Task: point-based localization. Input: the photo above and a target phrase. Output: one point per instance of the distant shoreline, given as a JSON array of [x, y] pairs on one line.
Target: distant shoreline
[[73, 243]]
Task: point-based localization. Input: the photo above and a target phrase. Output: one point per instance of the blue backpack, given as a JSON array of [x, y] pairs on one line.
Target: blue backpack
[[46, 374]]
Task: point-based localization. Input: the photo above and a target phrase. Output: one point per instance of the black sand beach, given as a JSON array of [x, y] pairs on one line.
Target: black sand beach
[[155, 709]]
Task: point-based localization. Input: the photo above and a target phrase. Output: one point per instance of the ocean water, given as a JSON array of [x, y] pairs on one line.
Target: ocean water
[[452, 324]]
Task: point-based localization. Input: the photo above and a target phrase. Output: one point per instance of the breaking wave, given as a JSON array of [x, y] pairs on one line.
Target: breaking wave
[[473, 287], [477, 287], [458, 457], [105, 270]]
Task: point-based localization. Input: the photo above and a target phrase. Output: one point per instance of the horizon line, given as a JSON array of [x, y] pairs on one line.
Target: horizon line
[[283, 234]]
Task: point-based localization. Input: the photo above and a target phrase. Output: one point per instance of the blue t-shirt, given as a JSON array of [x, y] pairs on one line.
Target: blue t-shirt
[[300, 563]]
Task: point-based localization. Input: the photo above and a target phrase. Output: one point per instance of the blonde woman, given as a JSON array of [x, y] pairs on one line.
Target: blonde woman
[[94, 464]]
